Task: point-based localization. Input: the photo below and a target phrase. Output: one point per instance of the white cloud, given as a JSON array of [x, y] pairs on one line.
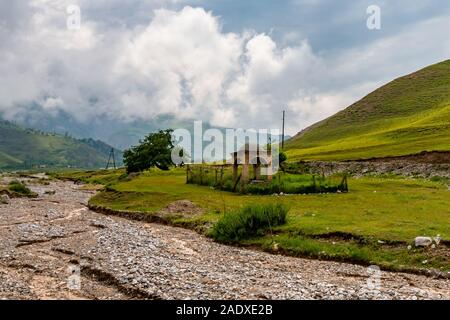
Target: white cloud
[[181, 62]]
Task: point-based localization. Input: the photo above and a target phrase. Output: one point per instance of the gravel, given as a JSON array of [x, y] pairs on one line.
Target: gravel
[[46, 240]]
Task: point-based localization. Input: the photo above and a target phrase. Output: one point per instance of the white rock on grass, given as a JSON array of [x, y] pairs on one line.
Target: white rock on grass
[[423, 241], [437, 239]]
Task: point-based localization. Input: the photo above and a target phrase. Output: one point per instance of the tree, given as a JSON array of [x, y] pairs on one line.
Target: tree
[[154, 151], [282, 157]]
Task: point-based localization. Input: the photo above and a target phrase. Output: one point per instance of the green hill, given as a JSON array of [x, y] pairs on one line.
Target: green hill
[[406, 116], [26, 148]]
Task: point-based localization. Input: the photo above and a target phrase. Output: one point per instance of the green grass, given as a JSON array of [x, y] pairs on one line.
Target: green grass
[[248, 222], [391, 209], [408, 115], [17, 189], [391, 258], [103, 177]]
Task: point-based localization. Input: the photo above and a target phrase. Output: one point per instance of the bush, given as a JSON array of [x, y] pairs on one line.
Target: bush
[[250, 221], [18, 187]]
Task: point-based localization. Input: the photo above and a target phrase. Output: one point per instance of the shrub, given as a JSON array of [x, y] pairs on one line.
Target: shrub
[[248, 222], [439, 179], [18, 187]]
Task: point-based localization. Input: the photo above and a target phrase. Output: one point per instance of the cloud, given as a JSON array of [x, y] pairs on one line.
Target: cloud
[[176, 59], [179, 63]]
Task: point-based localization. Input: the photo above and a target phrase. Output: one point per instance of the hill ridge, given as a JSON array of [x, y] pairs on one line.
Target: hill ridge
[[407, 115], [24, 148]]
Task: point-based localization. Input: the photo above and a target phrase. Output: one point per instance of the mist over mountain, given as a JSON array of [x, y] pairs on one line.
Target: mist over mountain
[[117, 133], [120, 134]]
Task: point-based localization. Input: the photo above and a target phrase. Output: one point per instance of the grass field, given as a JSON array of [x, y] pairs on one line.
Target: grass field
[[372, 224], [406, 116]]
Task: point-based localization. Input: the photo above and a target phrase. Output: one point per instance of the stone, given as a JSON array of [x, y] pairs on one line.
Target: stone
[[423, 241], [437, 240], [4, 199]]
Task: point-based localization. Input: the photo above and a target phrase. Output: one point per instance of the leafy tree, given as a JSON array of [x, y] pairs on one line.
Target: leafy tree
[[154, 151], [282, 157]]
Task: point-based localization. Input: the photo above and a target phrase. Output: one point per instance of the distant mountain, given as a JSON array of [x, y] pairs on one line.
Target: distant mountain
[[115, 132], [406, 116], [28, 148], [118, 133]]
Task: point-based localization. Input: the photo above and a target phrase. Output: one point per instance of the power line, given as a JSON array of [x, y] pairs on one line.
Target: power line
[[282, 133], [111, 156]]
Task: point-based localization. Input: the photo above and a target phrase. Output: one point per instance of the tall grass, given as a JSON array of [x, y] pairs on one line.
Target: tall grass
[[18, 187], [281, 182], [250, 221]]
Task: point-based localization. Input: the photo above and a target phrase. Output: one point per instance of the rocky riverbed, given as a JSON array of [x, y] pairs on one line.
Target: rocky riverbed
[[53, 247]]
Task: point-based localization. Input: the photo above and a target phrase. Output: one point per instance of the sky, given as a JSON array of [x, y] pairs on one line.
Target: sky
[[232, 63]]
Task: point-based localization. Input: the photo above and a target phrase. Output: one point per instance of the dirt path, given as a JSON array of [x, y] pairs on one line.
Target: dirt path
[[53, 247]]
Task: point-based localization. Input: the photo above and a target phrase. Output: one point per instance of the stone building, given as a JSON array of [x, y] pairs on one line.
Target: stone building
[[255, 155]]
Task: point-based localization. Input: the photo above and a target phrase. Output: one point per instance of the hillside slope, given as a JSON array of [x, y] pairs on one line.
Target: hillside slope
[[406, 116], [25, 148]]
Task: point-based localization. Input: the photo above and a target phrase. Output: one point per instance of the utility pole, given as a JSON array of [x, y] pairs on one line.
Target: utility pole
[[282, 132], [111, 156]]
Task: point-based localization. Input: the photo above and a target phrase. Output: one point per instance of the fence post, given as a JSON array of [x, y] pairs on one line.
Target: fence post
[[221, 178], [187, 173]]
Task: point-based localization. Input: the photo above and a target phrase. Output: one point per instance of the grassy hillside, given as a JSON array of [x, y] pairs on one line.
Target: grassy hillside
[[24, 148], [408, 115]]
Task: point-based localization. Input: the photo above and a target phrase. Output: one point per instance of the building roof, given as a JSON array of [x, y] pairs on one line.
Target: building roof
[[255, 151]]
